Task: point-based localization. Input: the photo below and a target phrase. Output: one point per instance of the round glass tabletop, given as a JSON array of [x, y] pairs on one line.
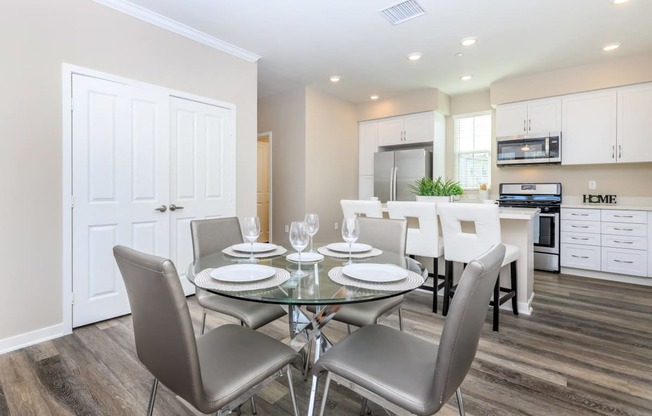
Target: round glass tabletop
[[313, 288]]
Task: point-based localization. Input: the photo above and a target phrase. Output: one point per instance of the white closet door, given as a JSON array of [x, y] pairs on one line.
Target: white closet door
[[202, 172], [120, 175]]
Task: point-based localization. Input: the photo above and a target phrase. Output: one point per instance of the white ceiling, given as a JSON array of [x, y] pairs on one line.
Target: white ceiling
[[306, 41]]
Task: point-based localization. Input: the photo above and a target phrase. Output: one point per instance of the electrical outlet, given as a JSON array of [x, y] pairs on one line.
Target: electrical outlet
[[287, 228], [592, 185], [336, 225]]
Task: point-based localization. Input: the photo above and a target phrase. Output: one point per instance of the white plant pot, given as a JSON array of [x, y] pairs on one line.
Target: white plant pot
[[483, 195], [438, 199]]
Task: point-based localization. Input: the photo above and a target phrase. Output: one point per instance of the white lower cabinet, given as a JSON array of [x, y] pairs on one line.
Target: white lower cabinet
[[607, 240], [580, 257], [624, 261]]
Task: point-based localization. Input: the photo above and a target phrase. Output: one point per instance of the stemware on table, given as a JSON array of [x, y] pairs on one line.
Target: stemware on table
[[251, 231], [312, 221], [299, 239], [350, 234]]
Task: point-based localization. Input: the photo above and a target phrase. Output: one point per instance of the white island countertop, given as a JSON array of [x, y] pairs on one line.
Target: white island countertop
[[507, 213]]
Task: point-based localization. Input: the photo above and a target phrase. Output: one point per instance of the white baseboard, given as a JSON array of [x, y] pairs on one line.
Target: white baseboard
[[31, 338]]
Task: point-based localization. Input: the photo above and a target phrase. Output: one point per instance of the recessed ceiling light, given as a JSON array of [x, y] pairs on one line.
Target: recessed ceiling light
[[415, 56], [374, 97], [335, 78], [459, 54], [468, 41], [611, 47], [466, 77], [618, 1]]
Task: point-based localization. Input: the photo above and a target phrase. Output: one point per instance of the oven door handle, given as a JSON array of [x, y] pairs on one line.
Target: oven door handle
[[547, 215]]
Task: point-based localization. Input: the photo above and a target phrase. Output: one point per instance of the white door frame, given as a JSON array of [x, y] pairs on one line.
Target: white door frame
[[67, 72], [268, 134]]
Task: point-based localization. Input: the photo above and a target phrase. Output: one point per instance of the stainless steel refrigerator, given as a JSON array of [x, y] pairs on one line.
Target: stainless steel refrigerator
[[395, 171]]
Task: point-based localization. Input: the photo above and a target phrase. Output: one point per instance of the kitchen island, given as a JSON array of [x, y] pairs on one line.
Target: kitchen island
[[519, 227]]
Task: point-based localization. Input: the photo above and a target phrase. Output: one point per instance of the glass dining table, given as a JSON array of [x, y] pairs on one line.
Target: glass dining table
[[314, 287]]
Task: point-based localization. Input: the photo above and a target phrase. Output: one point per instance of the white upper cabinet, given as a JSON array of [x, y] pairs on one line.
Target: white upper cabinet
[[634, 136], [529, 117], [413, 128], [589, 128], [608, 126]]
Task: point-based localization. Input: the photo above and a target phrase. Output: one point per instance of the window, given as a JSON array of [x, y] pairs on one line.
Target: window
[[473, 150]]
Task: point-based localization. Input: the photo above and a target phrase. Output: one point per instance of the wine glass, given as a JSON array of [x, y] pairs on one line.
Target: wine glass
[[350, 234], [251, 231], [312, 221], [299, 240]]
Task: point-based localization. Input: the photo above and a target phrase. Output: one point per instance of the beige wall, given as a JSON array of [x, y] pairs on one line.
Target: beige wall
[[283, 115], [624, 180], [629, 70], [314, 157], [331, 159], [430, 99], [37, 36]]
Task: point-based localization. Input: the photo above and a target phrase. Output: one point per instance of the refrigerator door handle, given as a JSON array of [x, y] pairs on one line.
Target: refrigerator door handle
[[391, 185], [394, 186]]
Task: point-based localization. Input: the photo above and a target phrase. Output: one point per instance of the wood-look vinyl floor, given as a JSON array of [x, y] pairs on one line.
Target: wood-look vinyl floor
[[586, 350]]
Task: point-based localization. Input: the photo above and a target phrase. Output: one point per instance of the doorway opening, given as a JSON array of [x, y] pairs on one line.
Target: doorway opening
[[264, 188]]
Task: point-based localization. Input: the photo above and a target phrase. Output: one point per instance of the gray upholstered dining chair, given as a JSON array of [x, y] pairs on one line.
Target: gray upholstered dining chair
[[387, 235], [211, 236], [215, 372], [406, 374]]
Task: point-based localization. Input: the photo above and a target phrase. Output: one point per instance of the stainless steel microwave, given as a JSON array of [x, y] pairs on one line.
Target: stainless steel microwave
[[528, 150]]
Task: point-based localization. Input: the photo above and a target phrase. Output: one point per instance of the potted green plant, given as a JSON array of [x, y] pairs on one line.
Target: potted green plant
[[437, 190]]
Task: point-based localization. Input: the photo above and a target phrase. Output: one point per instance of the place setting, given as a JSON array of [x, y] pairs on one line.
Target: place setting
[[253, 251], [241, 277], [301, 233], [349, 249], [376, 276]]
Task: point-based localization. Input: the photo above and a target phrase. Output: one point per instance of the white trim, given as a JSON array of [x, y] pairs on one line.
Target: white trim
[[31, 338], [67, 72], [166, 23], [594, 274], [268, 134]]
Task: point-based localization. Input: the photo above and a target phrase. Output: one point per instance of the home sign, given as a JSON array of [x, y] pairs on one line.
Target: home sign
[[599, 199]]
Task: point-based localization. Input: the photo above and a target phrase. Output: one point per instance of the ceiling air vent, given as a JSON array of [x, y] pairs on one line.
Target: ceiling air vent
[[402, 12]]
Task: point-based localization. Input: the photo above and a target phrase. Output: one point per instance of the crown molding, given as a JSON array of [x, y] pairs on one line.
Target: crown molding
[[166, 23]]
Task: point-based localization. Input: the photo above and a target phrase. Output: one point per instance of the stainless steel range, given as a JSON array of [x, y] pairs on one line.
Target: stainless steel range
[[546, 197]]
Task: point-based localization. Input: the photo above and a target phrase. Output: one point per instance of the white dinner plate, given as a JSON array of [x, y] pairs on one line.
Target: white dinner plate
[[305, 257], [374, 272], [243, 273], [258, 247], [344, 247]]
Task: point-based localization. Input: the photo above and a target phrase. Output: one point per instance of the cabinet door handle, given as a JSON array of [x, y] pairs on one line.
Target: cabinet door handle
[[524, 125], [580, 238], [623, 216], [623, 229], [529, 124], [623, 261], [579, 226], [620, 151], [623, 242], [579, 257], [580, 215], [613, 152]]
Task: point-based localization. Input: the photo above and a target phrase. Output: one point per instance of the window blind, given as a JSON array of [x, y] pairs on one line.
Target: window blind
[[473, 150]]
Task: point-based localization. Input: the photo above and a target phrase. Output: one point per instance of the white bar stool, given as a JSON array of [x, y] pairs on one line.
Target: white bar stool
[[352, 208], [423, 240], [463, 246]]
